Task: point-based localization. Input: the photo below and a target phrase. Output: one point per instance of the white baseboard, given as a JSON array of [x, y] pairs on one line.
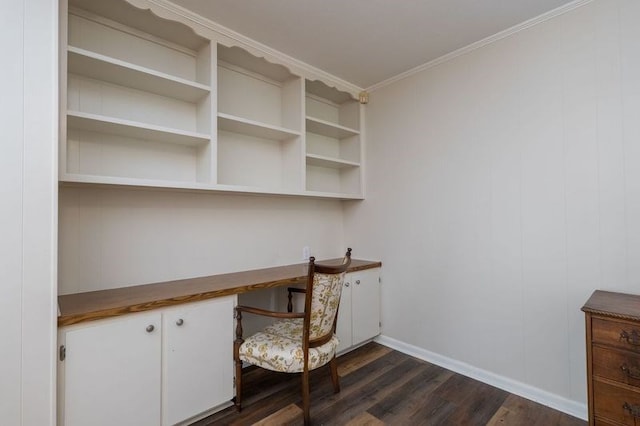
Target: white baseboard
[[574, 408]]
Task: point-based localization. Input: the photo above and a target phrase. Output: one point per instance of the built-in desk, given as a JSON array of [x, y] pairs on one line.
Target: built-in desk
[[89, 306], [161, 354]]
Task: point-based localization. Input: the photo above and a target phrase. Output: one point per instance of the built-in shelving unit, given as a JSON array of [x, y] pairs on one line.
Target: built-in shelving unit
[[138, 102], [259, 122], [148, 102], [333, 145]]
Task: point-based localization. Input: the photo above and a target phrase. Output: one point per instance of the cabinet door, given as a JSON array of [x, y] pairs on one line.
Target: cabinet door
[[343, 327], [197, 358], [365, 305], [112, 372]]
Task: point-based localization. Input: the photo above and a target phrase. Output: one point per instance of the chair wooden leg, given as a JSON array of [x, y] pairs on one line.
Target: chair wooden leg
[[238, 379], [236, 359], [333, 364], [305, 397], [238, 399]]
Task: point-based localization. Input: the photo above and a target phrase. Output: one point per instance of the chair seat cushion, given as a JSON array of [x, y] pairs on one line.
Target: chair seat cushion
[[279, 348]]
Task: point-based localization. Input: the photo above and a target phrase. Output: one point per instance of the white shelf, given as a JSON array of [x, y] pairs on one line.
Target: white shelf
[[332, 163], [134, 182], [326, 128], [337, 195], [76, 179], [245, 189], [104, 68], [253, 128], [132, 129]]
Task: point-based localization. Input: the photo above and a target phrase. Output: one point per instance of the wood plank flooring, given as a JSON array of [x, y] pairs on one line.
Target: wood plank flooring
[[380, 386]]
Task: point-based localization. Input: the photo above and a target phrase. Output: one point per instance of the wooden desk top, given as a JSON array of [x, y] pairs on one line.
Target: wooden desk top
[[94, 305]]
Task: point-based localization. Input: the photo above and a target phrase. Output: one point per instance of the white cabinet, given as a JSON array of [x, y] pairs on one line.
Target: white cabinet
[[112, 372], [343, 326], [359, 314], [197, 358], [161, 367], [148, 101], [365, 305]]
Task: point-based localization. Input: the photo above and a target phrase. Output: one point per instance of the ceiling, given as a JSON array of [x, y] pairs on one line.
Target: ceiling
[[368, 41]]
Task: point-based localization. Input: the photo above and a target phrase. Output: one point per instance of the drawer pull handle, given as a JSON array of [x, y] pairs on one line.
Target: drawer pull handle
[[634, 410], [632, 338], [632, 372]]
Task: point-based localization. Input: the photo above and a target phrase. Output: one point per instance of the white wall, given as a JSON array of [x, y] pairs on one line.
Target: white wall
[[28, 119], [121, 237], [503, 187]]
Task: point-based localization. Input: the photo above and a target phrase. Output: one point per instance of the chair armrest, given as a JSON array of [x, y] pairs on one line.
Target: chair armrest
[[257, 311], [267, 313]]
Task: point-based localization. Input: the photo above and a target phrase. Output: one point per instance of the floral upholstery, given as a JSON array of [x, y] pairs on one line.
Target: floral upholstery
[[279, 346], [289, 328], [280, 353], [327, 289]]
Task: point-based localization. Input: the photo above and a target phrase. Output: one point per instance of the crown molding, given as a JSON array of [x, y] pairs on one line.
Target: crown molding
[[215, 30], [481, 43]]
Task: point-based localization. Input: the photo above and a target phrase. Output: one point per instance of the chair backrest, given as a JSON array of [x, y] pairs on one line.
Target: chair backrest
[[324, 288]]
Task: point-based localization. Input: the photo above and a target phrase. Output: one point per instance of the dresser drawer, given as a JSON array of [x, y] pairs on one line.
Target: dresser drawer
[[604, 422], [617, 334], [613, 358], [617, 365], [616, 403]]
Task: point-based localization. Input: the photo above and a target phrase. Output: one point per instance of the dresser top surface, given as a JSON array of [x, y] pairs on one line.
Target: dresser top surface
[[612, 304]]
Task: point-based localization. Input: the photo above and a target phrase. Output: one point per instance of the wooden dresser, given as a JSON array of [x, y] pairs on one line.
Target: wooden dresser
[[613, 358]]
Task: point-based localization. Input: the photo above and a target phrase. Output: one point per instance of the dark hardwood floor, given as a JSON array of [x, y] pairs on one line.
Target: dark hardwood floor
[[381, 386]]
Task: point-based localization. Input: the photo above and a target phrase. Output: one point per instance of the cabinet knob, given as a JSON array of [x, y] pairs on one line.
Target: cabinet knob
[[357, 282], [179, 322], [347, 284], [150, 328]]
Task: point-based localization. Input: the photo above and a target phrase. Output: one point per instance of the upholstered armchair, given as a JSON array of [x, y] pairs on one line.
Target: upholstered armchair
[[299, 341]]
